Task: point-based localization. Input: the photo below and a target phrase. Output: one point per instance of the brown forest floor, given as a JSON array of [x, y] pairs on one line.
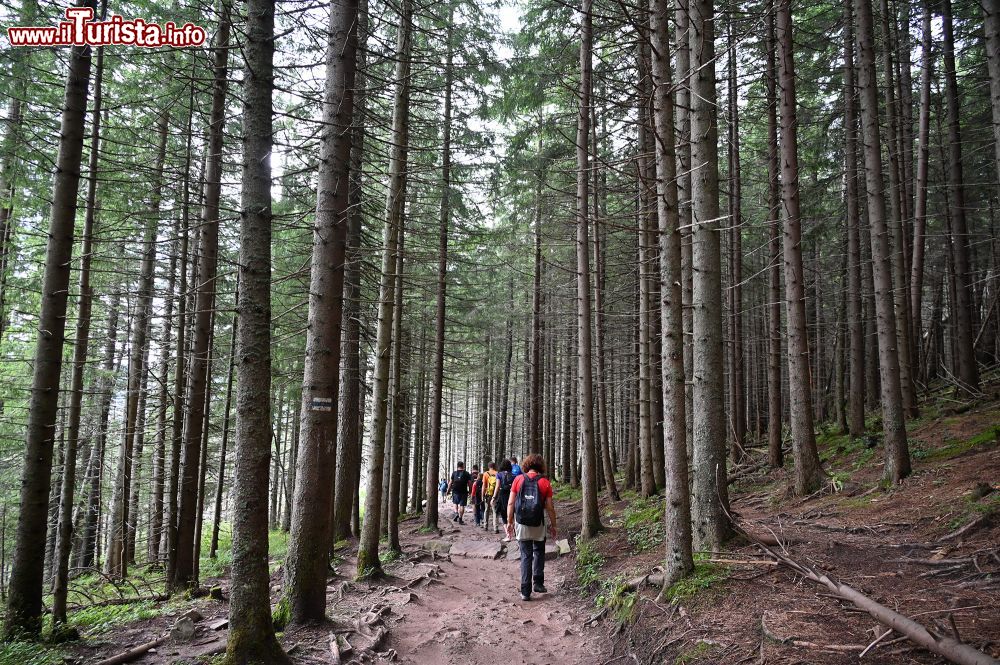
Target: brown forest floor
[[439, 608]]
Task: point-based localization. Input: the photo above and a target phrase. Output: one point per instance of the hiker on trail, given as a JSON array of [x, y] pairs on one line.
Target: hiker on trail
[[530, 500], [489, 490], [458, 487], [505, 480], [515, 469], [477, 497], [443, 488]]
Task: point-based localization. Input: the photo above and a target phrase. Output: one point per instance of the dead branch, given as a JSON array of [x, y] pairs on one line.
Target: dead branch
[[133, 653], [943, 645], [982, 520]]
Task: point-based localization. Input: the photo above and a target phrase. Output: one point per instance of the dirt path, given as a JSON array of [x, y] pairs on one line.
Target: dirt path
[[471, 605]]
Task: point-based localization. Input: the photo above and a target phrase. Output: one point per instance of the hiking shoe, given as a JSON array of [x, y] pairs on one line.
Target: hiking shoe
[[525, 596], [461, 521], [540, 588], [454, 518]]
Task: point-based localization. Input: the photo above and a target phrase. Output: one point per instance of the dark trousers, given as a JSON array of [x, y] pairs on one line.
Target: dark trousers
[[532, 564], [480, 511]]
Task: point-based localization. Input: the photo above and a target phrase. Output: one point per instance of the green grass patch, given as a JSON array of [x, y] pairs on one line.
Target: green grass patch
[[643, 522], [589, 562], [704, 575], [692, 654], [954, 447], [566, 492], [858, 501], [99, 620], [388, 556], [30, 653]]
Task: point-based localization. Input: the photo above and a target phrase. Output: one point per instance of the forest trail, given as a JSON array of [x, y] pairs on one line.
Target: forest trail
[[472, 604]]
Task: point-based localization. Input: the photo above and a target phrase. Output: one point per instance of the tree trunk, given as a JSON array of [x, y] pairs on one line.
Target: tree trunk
[[117, 558], [591, 524], [24, 600], [534, 443], [710, 497], [7, 192], [217, 512], [808, 473], [309, 546], [647, 479], [433, 470], [159, 447], [991, 29], [89, 536], [180, 364], [182, 574], [923, 156], [677, 514], [896, 214], [603, 434], [897, 461], [351, 411], [737, 397], [368, 560], [251, 633], [397, 393], [855, 311], [968, 370], [64, 537], [775, 454]]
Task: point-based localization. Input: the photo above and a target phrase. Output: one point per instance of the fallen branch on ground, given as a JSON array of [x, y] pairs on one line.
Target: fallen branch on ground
[[842, 648], [982, 520], [943, 645], [134, 653]]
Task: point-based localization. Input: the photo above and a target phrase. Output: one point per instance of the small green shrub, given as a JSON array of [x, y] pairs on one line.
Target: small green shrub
[[30, 653], [566, 492], [588, 563], [692, 654], [618, 599], [643, 522], [388, 556], [704, 575], [98, 620], [282, 614]]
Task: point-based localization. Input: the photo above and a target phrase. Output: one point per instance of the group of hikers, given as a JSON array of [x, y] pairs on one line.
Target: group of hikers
[[519, 496]]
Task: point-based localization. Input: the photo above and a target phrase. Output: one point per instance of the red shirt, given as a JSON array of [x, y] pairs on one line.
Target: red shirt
[[544, 486]]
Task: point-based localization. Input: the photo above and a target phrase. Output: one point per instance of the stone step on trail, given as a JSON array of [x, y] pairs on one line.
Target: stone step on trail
[[552, 551], [478, 549]]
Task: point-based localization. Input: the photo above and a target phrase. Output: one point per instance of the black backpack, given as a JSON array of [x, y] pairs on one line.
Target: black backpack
[[460, 482], [529, 508]]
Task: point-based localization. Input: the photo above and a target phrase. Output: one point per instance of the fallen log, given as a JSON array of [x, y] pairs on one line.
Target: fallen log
[[132, 654], [982, 520], [943, 645]]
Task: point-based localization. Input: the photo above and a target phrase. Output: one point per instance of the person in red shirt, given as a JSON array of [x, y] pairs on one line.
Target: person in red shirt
[[530, 502]]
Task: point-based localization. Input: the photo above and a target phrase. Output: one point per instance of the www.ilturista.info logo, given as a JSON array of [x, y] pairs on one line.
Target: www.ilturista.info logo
[[80, 29]]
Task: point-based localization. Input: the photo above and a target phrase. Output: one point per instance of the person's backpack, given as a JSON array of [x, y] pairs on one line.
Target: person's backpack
[[529, 507], [502, 493], [515, 470], [460, 482]]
